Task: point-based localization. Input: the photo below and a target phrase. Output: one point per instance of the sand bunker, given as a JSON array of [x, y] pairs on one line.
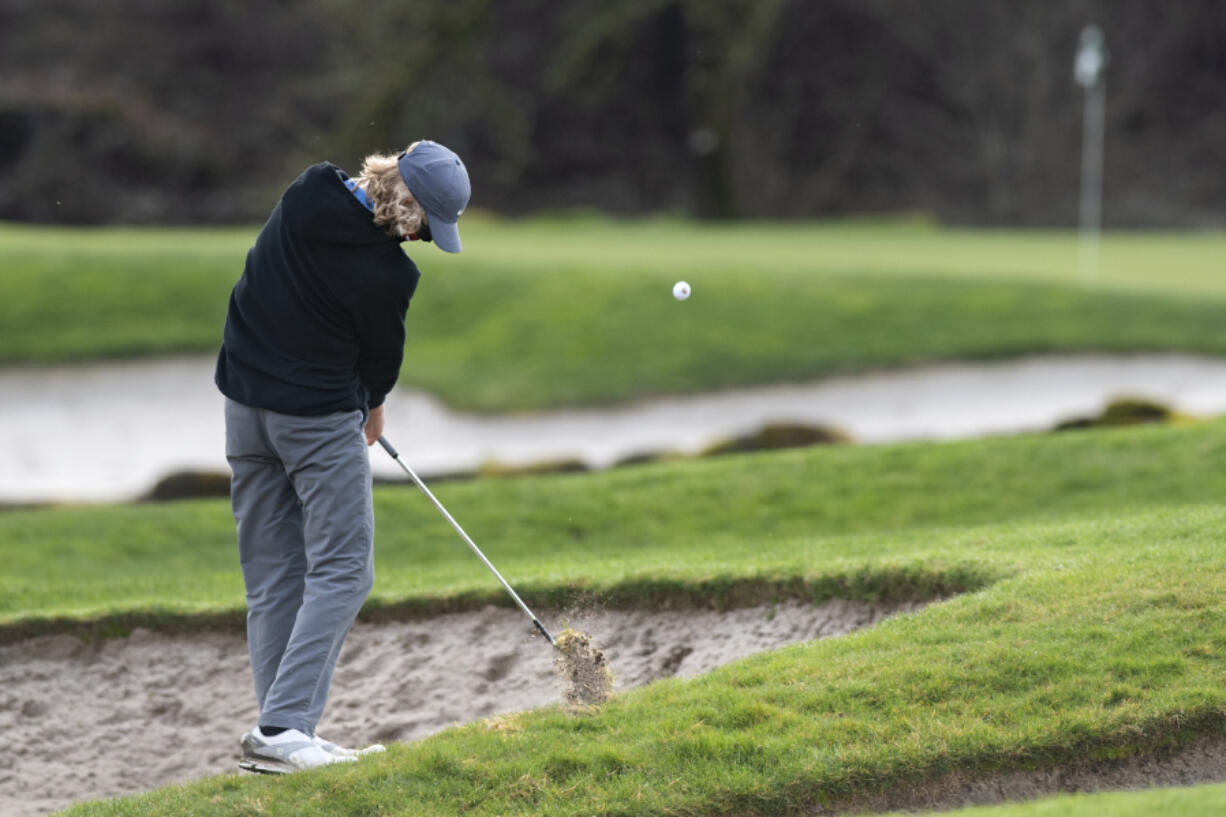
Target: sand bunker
[[124, 715], [119, 716]]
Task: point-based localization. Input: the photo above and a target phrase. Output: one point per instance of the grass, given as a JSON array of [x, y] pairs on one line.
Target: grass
[[1200, 801], [648, 531], [1088, 621], [1104, 645], [518, 320], [1080, 632]]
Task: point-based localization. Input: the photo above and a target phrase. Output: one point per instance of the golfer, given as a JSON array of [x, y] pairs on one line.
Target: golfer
[[313, 342]]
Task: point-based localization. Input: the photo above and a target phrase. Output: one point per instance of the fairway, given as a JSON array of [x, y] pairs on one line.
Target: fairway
[[583, 307]]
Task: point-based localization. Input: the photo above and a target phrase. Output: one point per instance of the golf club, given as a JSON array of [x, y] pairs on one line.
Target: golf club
[[396, 456]]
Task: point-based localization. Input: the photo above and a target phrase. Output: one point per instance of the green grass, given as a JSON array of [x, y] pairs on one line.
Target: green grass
[[646, 530], [1090, 612], [1104, 645], [1090, 623], [545, 313], [1198, 801]]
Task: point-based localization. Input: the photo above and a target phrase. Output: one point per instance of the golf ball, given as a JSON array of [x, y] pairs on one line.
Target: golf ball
[[681, 290]]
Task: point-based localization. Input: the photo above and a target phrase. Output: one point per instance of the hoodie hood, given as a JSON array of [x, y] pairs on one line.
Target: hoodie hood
[[320, 206]]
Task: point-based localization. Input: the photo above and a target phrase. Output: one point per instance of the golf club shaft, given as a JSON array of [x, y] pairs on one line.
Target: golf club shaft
[[396, 456]]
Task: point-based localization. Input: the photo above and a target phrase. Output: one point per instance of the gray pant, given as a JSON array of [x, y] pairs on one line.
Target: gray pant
[[302, 503]]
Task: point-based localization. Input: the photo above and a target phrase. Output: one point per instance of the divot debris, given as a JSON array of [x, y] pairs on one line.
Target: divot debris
[[583, 670]]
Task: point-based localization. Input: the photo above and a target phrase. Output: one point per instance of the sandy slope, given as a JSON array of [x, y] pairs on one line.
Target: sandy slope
[[83, 720]]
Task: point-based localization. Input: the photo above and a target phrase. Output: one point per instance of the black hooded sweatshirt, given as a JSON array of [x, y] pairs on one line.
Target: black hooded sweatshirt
[[316, 323]]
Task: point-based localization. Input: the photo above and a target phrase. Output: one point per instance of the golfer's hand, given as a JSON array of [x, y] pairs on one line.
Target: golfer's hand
[[374, 425]]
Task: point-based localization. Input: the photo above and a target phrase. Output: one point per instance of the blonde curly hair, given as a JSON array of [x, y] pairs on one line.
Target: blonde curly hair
[[396, 211]]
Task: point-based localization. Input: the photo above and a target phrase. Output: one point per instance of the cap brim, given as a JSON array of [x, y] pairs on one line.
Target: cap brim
[[446, 234]]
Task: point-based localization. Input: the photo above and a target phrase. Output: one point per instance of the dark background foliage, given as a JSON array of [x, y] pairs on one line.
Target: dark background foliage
[[201, 111]]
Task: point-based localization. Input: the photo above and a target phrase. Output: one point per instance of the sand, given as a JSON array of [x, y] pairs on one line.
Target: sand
[[120, 716], [124, 715], [102, 411]]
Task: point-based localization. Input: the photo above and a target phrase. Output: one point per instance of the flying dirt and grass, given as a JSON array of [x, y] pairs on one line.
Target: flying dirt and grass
[[583, 670]]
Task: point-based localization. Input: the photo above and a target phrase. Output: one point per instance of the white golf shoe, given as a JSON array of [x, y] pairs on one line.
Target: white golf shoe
[[289, 751], [333, 749]]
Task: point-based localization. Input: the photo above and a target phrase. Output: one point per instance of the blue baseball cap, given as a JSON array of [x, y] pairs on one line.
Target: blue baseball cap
[[439, 181]]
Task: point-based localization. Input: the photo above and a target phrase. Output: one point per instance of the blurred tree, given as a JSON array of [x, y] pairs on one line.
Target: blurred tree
[[147, 111], [140, 110]]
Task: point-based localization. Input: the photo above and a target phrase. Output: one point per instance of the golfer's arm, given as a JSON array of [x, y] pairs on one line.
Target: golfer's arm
[[381, 351]]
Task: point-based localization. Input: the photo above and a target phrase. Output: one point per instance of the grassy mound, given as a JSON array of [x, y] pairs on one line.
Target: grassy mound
[[1104, 645], [726, 530], [1090, 623]]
